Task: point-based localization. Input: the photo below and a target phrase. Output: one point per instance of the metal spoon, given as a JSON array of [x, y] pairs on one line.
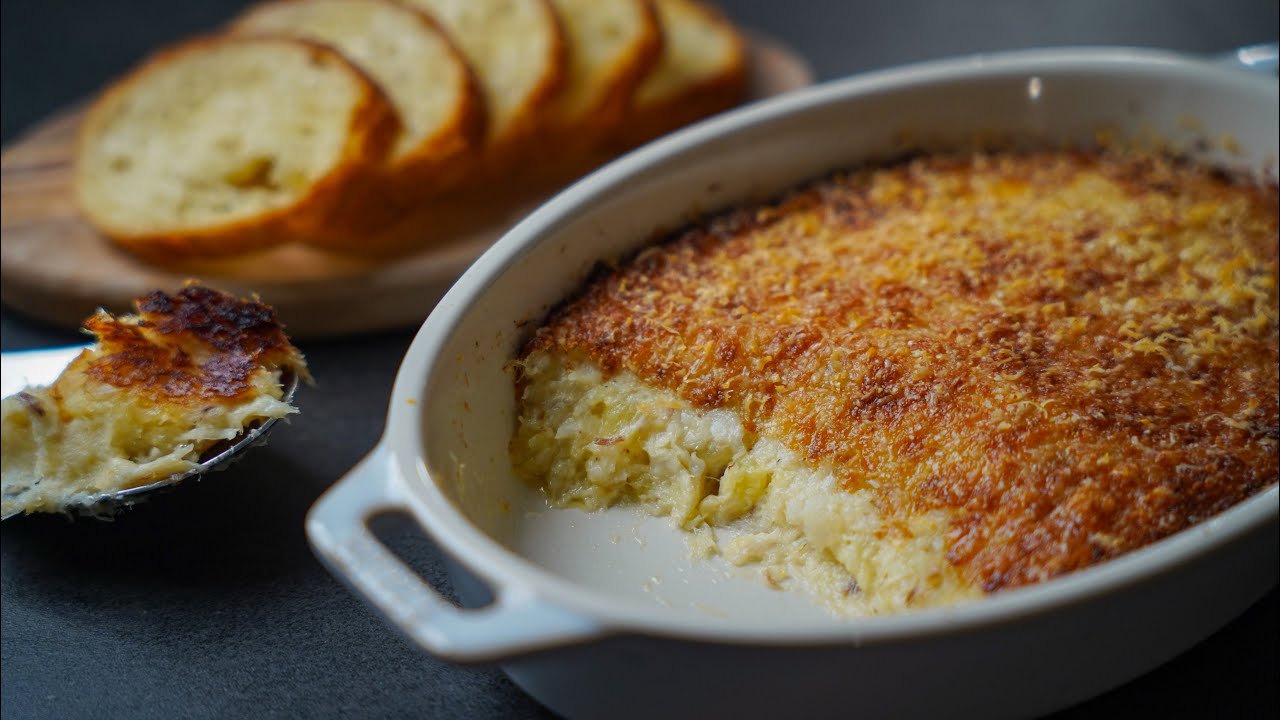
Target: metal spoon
[[40, 367], [1260, 58]]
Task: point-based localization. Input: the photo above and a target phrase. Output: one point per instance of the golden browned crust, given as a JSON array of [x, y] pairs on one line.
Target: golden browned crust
[[196, 346], [1074, 353]]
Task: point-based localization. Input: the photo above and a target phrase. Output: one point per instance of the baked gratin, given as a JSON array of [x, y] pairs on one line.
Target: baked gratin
[[156, 392], [921, 382]]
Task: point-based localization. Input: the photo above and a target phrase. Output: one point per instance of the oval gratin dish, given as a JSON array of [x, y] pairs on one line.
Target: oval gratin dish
[[606, 614]]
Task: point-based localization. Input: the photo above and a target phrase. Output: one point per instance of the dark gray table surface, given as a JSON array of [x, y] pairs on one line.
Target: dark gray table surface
[[207, 602]]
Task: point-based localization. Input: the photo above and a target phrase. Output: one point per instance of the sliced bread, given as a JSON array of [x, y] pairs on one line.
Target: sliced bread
[[225, 145], [158, 390], [517, 50], [702, 71], [613, 44], [426, 78]]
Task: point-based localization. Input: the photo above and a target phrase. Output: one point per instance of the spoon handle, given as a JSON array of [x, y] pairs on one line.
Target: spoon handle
[[1259, 58]]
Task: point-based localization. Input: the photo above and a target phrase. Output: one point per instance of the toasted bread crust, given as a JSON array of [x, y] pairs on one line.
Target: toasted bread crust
[[514, 115], [430, 163], [439, 165], [702, 93], [373, 126], [595, 97], [530, 116], [578, 128], [379, 199]]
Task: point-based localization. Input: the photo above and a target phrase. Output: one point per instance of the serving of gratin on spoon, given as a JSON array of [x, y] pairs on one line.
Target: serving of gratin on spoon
[[174, 391]]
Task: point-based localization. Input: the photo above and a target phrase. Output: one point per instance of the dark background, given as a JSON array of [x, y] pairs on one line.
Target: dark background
[[207, 602]]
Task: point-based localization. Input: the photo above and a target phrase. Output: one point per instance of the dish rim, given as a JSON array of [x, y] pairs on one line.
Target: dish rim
[[506, 571]]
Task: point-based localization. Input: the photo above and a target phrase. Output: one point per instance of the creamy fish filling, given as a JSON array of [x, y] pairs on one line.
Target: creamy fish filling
[[594, 442]]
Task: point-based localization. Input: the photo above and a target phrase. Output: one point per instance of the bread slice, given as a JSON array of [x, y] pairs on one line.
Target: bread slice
[[517, 50], [613, 44], [702, 71], [416, 64], [225, 145]]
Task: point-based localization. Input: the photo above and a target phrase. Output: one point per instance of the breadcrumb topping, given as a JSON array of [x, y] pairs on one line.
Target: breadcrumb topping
[[1072, 353], [191, 347]]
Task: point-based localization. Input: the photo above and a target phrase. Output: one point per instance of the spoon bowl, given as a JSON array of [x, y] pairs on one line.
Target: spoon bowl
[[40, 367]]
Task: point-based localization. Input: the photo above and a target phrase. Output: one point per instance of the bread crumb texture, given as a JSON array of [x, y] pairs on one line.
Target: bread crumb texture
[[928, 380]]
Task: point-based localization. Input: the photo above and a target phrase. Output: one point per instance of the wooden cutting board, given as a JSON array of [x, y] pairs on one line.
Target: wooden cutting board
[[56, 268]]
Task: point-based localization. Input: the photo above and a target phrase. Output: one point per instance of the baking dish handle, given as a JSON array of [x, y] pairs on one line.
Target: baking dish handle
[[515, 623]]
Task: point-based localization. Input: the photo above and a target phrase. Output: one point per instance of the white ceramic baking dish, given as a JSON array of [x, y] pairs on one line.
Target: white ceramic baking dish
[[606, 615]]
